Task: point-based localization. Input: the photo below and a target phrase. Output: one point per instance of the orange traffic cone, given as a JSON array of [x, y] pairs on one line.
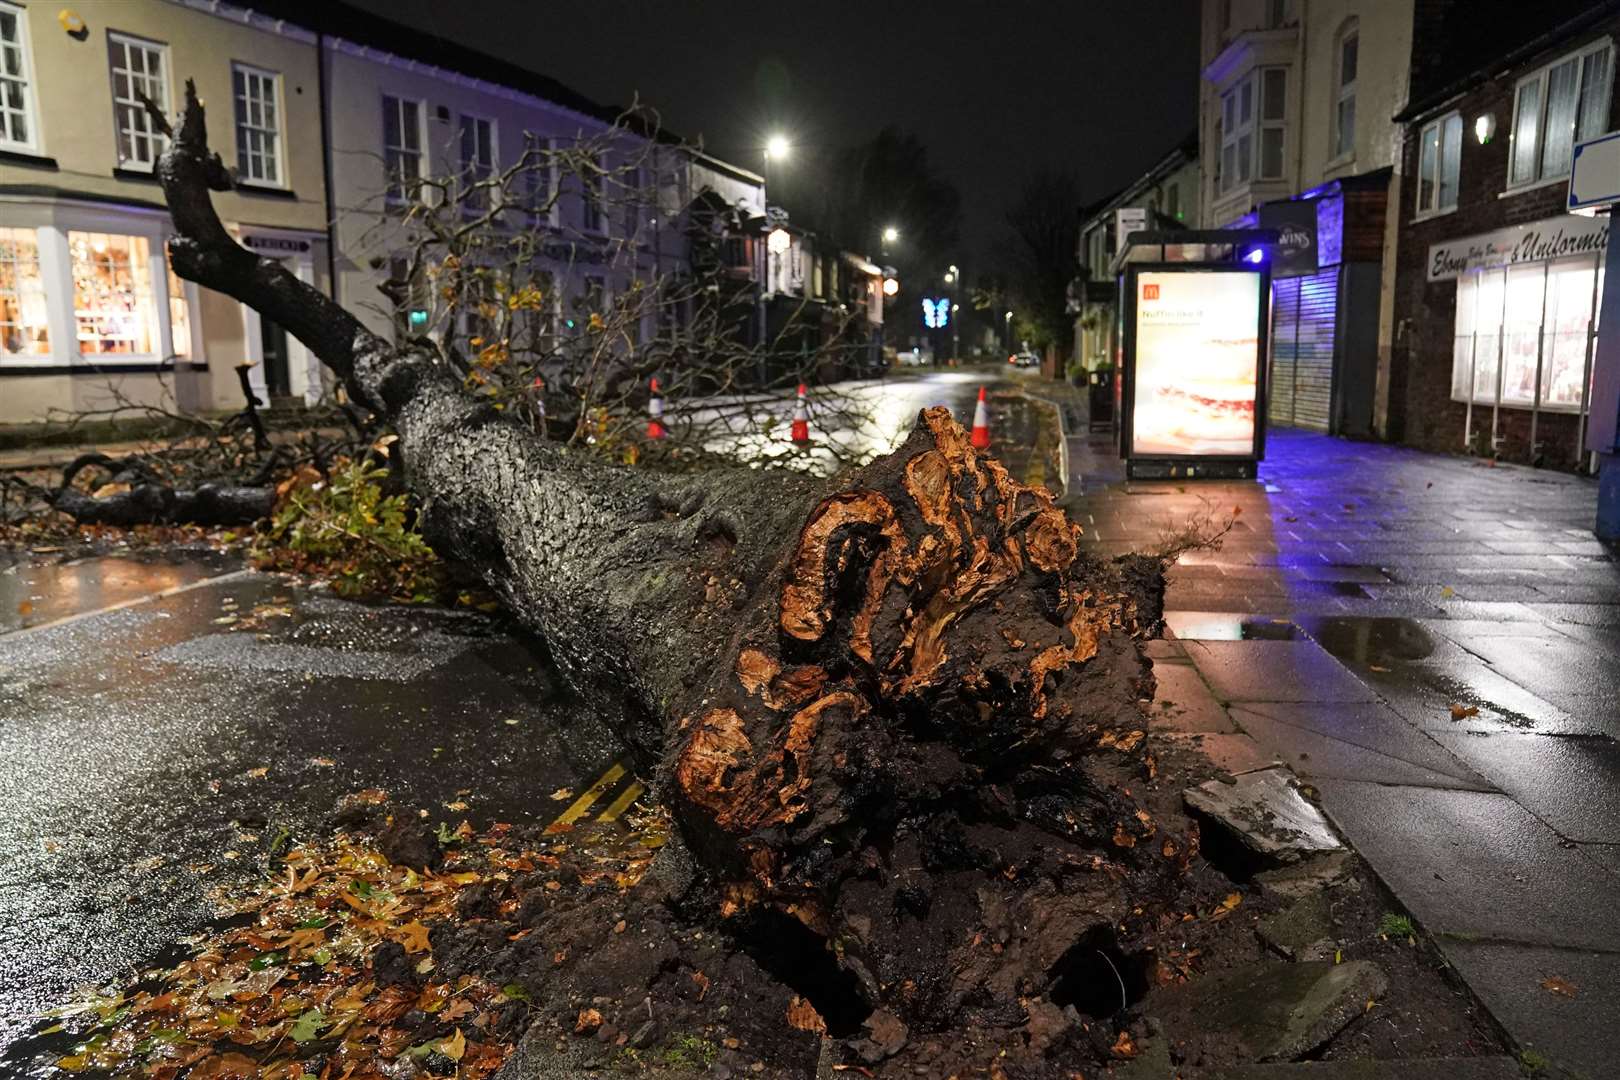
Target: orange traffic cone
[[655, 414], [801, 419], [981, 424]]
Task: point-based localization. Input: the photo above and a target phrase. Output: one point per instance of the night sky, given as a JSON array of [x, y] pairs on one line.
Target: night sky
[[995, 90]]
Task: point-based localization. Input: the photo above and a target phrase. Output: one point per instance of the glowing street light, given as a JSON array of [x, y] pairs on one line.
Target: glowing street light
[[890, 234], [949, 277], [891, 286], [777, 147]]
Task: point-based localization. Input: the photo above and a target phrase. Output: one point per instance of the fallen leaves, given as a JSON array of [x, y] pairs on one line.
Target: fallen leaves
[[589, 1020], [802, 1016], [1562, 987], [1124, 1046], [1462, 712]]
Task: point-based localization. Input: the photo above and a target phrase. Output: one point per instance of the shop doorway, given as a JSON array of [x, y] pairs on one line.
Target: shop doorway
[[277, 370]]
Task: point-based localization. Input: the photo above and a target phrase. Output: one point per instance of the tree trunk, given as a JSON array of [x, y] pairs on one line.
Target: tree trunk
[[896, 713]]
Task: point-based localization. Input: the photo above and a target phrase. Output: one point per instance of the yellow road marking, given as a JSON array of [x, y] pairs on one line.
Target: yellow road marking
[[622, 803], [587, 800]]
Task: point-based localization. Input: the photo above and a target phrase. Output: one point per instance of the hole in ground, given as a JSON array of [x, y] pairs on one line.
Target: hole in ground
[[1226, 853], [799, 958], [1097, 978]]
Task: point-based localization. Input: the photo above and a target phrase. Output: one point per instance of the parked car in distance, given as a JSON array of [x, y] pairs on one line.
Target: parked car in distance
[[1024, 359]]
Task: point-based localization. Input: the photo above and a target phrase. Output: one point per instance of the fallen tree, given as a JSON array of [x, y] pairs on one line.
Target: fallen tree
[[895, 715]]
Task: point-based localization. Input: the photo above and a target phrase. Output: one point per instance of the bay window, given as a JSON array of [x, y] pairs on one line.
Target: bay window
[[1254, 115], [179, 316], [1555, 107], [1439, 164], [138, 68], [113, 307], [24, 316], [540, 181], [17, 125]]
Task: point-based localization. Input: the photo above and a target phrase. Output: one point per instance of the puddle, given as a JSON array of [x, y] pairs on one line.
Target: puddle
[[1224, 626], [36, 591], [1372, 640]]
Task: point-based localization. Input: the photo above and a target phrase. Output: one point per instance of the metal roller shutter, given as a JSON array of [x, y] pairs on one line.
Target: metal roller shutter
[[1313, 364], [1302, 346], [1284, 329]]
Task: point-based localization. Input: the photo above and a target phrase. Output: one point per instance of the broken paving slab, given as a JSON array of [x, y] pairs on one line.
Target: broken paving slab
[[1495, 1067], [1270, 1012], [1304, 930], [1301, 879], [1266, 812]]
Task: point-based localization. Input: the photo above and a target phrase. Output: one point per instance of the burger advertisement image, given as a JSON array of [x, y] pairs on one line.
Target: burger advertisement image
[[1197, 363]]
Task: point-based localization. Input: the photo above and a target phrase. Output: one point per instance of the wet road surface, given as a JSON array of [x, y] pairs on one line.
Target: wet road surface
[[1433, 643], [153, 752]]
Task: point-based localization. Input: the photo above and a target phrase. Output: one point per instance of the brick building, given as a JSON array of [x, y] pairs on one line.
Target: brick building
[[1496, 287]]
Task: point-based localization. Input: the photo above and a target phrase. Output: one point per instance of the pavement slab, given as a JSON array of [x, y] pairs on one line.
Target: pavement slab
[[1476, 863], [1354, 742], [1241, 671], [1234, 753], [1571, 783], [1182, 702], [1573, 1025], [1265, 811]]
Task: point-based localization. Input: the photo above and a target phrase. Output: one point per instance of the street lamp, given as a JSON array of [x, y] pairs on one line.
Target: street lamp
[[890, 234], [777, 147]]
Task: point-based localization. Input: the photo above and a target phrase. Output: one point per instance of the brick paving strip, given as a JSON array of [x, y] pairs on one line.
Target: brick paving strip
[[1363, 592]]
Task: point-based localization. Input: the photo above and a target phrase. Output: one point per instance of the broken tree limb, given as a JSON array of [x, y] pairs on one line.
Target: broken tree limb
[[895, 716]]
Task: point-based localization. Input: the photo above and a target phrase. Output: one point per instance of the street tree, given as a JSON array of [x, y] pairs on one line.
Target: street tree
[[894, 715], [1045, 225]]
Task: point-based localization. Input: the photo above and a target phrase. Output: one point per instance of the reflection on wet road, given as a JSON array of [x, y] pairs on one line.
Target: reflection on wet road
[[153, 752]]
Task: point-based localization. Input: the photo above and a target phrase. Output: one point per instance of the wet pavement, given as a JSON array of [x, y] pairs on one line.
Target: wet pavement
[[153, 751], [1433, 644]]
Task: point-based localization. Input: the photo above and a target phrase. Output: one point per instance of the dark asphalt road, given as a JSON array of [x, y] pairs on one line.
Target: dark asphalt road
[[151, 753]]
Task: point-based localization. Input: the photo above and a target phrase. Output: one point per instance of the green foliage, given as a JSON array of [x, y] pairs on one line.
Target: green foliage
[[343, 528], [1396, 926], [690, 1051]]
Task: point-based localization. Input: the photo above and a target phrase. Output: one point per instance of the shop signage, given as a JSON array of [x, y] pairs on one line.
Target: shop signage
[[1594, 177], [1295, 222], [275, 245], [1127, 220], [1539, 241]]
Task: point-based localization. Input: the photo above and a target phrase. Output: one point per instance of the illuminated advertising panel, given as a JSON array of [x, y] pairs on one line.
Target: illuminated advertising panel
[[1196, 364]]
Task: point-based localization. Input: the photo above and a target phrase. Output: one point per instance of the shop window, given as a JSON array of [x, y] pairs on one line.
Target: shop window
[[1439, 165], [138, 68], [112, 294], [16, 90], [258, 124], [402, 149], [1510, 321], [179, 316], [477, 162], [24, 322], [1344, 104], [1553, 108]]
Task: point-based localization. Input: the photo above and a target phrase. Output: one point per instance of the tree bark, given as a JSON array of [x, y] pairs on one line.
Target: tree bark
[[895, 716]]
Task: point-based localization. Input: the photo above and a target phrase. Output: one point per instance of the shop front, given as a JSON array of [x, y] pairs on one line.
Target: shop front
[[1524, 326]]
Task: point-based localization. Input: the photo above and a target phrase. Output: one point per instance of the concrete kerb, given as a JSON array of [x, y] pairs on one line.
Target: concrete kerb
[[1063, 434]]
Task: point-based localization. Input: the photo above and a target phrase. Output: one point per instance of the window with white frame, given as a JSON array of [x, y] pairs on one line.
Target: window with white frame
[[477, 137], [113, 306], [1439, 164], [17, 128], [592, 215], [1254, 133], [179, 315], [1556, 106], [138, 68], [1344, 102], [24, 314], [1515, 323], [402, 148], [539, 180], [258, 124]]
